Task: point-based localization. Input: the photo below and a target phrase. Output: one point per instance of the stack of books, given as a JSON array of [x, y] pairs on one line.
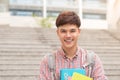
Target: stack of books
[[75, 74]]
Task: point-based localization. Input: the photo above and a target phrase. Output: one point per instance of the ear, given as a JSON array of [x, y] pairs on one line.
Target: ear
[[79, 30], [57, 31]]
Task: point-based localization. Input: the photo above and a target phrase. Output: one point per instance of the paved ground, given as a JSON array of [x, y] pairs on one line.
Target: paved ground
[[23, 21], [21, 49]]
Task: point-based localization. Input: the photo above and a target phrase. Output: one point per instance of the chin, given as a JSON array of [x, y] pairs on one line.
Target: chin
[[69, 46]]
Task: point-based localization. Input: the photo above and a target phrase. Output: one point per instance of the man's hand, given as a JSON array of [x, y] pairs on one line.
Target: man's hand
[[69, 78]]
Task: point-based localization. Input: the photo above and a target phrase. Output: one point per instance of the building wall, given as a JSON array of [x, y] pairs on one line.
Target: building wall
[[113, 14], [4, 4]]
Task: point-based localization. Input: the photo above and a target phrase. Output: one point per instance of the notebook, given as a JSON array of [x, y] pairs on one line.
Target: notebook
[[77, 76], [65, 73]]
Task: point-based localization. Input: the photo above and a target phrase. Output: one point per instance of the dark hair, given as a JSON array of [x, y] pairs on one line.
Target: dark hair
[[68, 17]]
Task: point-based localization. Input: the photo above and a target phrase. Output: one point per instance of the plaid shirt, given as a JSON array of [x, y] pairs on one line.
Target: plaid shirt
[[76, 62]]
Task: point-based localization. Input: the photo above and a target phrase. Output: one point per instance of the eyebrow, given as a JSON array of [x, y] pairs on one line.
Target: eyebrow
[[65, 29], [73, 29]]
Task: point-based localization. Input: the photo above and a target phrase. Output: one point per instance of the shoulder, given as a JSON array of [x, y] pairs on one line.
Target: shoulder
[[91, 55], [46, 57], [87, 53]]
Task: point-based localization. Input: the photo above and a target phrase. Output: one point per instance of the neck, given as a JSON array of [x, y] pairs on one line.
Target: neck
[[70, 52]]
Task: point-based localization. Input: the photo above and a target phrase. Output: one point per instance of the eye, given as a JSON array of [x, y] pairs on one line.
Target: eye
[[73, 30], [63, 31]]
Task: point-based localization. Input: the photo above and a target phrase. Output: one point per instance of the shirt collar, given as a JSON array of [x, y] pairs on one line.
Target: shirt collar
[[61, 51]]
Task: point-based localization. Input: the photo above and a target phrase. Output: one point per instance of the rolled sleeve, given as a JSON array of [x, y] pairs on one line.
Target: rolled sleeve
[[98, 70], [44, 70]]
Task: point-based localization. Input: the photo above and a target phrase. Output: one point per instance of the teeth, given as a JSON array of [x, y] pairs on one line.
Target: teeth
[[68, 40]]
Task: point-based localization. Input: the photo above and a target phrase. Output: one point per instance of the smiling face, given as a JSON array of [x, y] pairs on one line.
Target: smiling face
[[68, 35]]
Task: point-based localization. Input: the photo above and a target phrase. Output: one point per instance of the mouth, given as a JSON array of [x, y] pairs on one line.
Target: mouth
[[68, 41]]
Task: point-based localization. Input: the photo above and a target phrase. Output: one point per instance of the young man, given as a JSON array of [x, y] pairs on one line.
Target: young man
[[70, 55]]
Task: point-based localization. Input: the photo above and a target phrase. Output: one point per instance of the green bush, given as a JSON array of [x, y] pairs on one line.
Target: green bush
[[46, 22]]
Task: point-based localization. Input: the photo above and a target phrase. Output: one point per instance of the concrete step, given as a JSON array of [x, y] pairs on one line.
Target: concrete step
[[38, 58], [24, 50], [38, 61], [37, 55], [10, 58], [20, 78], [29, 77], [41, 46], [37, 78], [35, 72], [40, 55], [44, 51], [28, 66], [40, 43], [114, 77], [37, 48], [21, 50]]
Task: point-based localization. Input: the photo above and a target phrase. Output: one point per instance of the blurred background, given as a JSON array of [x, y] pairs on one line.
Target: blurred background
[[27, 33], [103, 14]]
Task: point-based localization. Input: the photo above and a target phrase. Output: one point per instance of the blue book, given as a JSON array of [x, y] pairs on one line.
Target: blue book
[[65, 73]]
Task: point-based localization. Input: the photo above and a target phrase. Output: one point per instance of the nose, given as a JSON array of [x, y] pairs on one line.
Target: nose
[[68, 34]]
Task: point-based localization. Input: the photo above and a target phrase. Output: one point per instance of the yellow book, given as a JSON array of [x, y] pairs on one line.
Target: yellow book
[[77, 76]]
